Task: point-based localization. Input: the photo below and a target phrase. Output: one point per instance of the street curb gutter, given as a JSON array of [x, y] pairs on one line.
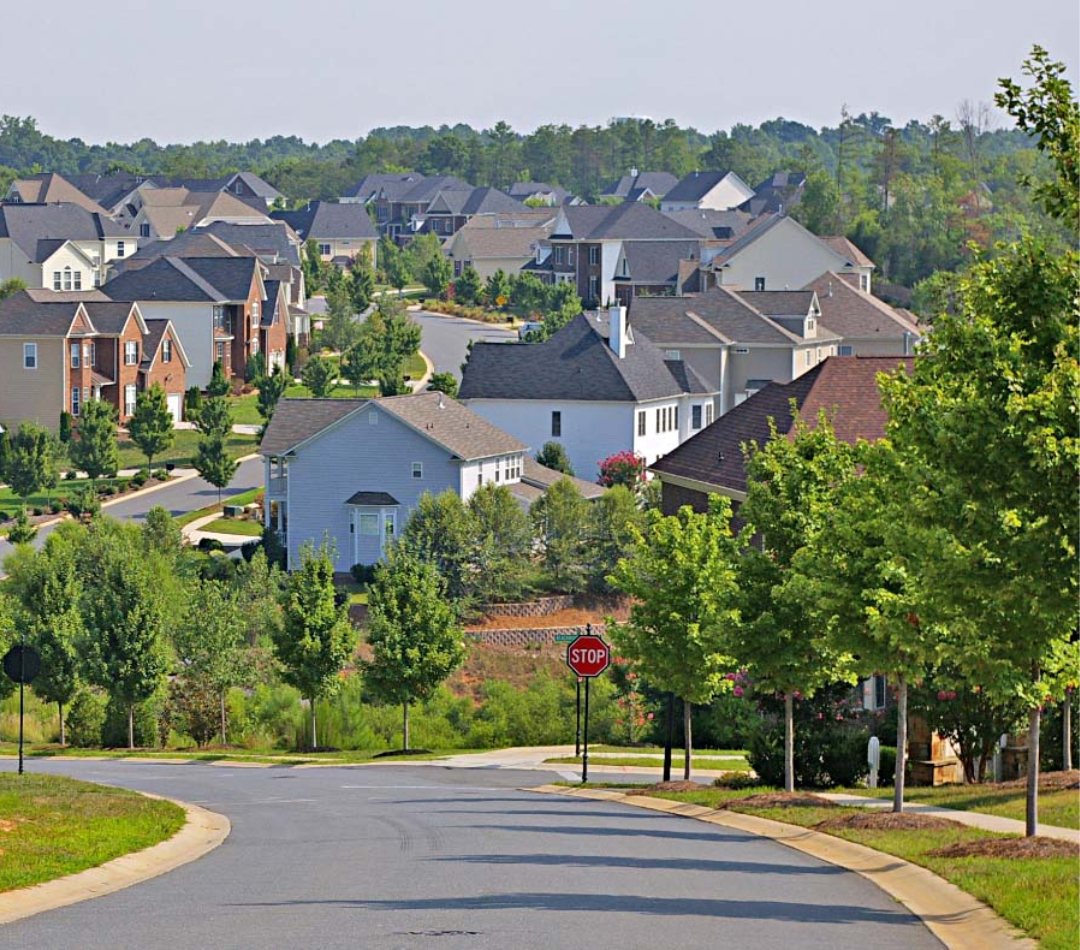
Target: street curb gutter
[[956, 918], [202, 832]]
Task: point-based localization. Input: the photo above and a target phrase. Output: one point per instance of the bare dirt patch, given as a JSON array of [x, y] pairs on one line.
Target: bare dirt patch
[[1048, 781], [679, 786], [571, 617], [1009, 848], [887, 821], [777, 800]]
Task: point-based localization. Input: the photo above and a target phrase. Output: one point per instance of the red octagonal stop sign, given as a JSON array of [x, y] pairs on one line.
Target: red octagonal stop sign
[[588, 655]]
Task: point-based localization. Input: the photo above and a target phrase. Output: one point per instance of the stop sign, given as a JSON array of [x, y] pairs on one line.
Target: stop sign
[[588, 655]]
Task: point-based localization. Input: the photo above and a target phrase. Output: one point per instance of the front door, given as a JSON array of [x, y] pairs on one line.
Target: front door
[[174, 406]]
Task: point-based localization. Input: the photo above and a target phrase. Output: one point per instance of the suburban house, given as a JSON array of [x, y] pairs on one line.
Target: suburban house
[[342, 231], [539, 193], [159, 214], [60, 350], [738, 342], [59, 246], [710, 190], [398, 202], [489, 248], [640, 186], [49, 188], [778, 253], [368, 188], [353, 470], [712, 463], [450, 211], [868, 326], [216, 305], [655, 269], [587, 247], [712, 226], [595, 386], [777, 194]]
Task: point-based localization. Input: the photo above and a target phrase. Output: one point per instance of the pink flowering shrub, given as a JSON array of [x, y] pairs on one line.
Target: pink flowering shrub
[[623, 468]]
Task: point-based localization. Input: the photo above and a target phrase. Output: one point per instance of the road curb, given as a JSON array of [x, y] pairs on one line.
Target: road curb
[[956, 918], [202, 832]]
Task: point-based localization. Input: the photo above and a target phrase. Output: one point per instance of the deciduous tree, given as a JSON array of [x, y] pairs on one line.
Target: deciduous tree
[[151, 425], [95, 449]]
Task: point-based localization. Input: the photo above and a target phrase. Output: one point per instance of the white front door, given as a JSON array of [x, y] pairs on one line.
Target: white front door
[[174, 403]]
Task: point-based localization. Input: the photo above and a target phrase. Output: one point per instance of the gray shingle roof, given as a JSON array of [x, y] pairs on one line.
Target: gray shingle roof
[[264, 239], [427, 188], [656, 262], [329, 219], [574, 363], [39, 229], [217, 279], [695, 186], [439, 418], [40, 312], [728, 317], [540, 476], [477, 201], [658, 183], [628, 222], [710, 224], [779, 303], [372, 498], [854, 313], [392, 183]]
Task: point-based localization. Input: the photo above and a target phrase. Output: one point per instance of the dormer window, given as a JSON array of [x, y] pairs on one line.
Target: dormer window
[[759, 283], [810, 323]]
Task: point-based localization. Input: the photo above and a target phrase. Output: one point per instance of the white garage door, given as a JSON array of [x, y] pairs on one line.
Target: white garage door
[[174, 406]]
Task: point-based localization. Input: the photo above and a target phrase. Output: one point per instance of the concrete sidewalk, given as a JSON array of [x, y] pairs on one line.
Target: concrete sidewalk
[[974, 819]]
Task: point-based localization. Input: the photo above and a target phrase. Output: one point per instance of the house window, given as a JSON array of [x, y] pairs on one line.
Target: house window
[[89, 354], [255, 313], [695, 417], [219, 318], [759, 283], [659, 420], [129, 400], [74, 355], [166, 350], [131, 353], [324, 250], [742, 351], [625, 268], [810, 324], [220, 353], [78, 280], [641, 423], [372, 418], [708, 413], [864, 282], [675, 417], [672, 355], [120, 249], [480, 477], [144, 230], [76, 400], [417, 469], [67, 278], [369, 525], [879, 692], [97, 278], [56, 285], [558, 254], [254, 345], [29, 356], [594, 255], [808, 357], [390, 521], [556, 424], [594, 288], [847, 350]]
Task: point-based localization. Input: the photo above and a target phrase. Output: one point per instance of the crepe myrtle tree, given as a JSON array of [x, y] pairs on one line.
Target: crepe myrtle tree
[[681, 574]]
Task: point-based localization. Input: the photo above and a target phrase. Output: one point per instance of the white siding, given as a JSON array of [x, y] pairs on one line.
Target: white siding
[[194, 324]]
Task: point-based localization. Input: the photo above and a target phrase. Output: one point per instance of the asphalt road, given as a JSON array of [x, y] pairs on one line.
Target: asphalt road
[[182, 497], [425, 856], [445, 340]]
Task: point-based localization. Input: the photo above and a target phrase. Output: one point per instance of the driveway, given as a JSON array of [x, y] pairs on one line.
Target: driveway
[[426, 856]]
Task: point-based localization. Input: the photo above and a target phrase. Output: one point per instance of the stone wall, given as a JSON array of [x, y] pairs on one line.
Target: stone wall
[[530, 635], [541, 607]]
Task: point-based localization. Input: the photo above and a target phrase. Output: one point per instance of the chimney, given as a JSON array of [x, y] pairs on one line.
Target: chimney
[[633, 173], [617, 331]]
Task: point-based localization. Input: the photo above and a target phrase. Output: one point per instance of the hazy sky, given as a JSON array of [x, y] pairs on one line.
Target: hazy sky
[[238, 69]]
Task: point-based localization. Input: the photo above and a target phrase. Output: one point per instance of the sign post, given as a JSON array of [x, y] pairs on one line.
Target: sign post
[[669, 741], [22, 664], [588, 656], [577, 732]]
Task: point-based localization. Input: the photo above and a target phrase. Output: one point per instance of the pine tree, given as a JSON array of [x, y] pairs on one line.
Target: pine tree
[[219, 383]]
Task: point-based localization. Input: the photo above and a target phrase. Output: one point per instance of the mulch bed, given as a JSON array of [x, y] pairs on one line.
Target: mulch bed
[[778, 800], [679, 786], [1048, 781], [1009, 848], [887, 821]]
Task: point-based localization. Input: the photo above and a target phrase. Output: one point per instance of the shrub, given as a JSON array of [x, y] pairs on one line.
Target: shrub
[[114, 731], [363, 573], [65, 427], [210, 544], [86, 719], [623, 468], [55, 508], [248, 549], [38, 512], [140, 478], [22, 532]]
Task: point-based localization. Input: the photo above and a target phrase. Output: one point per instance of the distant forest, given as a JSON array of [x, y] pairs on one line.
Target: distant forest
[[913, 198]]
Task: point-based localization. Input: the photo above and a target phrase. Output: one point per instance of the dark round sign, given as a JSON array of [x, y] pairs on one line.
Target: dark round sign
[[22, 663]]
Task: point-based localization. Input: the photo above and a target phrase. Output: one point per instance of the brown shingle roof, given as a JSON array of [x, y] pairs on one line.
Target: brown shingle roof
[[846, 249], [854, 313], [845, 387]]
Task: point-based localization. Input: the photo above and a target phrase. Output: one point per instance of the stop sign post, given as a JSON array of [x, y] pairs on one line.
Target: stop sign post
[[588, 656], [22, 664]]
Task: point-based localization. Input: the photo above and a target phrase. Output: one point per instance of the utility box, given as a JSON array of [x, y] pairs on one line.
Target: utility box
[[234, 511]]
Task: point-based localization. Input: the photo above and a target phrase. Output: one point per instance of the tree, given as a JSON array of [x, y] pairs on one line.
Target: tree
[[560, 519], [255, 369], [356, 367], [95, 449], [395, 265], [990, 419], [65, 428], [124, 613], [192, 403], [313, 267], [387, 339], [21, 532], [682, 578], [151, 425], [501, 543], [318, 376], [211, 641], [613, 517], [444, 383], [271, 389], [497, 288], [315, 638], [162, 534], [340, 328], [437, 274], [361, 282], [467, 286], [48, 590], [412, 629], [789, 486], [31, 460], [219, 383], [440, 531], [553, 455], [212, 459], [11, 286]]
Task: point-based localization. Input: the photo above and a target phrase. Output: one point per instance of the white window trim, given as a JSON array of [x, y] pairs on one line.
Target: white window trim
[[417, 469], [30, 354]]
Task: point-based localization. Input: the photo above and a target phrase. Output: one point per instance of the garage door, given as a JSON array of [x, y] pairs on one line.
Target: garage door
[[174, 406]]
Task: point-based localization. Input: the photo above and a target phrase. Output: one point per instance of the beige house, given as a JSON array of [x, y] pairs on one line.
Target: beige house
[[49, 188], [489, 249], [342, 231], [157, 214], [868, 326]]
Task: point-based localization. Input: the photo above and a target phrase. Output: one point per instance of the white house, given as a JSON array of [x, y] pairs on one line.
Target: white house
[[715, 191], [593, 386], [353, 470]]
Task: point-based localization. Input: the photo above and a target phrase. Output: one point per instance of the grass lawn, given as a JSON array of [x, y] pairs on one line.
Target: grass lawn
[[1039, 895], [183, 449], [1060, 808], [245, 410], [415, 367], [726, 765], [639, 750], [340, 391], [249, 529], [10, 503], [52, 826], [243, 498]]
